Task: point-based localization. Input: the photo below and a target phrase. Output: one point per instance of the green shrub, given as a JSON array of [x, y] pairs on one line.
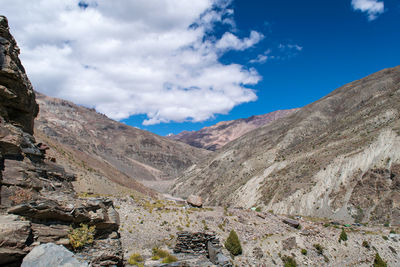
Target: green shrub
[[289, 261], [343, 236], [385, 237], [169, 259], [258, 209], [136, 259], [232, 244], [378, 262], [304, 251], [81, 236], [319, 248], [159, 253], [365, 244]]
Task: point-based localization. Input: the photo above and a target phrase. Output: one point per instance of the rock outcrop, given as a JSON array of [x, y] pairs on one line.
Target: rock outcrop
[[17, 98], [37, 200]]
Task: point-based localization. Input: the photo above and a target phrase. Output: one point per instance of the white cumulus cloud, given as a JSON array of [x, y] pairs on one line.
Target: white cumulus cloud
[[373, 8], [134, 57]]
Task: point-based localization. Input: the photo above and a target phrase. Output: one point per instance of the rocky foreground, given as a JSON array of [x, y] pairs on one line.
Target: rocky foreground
[[267, 239]]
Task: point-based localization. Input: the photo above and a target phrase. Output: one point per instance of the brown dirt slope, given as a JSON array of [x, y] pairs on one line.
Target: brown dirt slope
[[337, 157], [109, 149]]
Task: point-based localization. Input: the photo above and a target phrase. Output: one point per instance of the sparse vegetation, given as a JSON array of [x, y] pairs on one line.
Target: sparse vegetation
[[319, 249], [169, 259], [343, 236], [21, 195], [160, 253], [288, 261], [81, 236], [136, 259], [365, 244], [232, 244], [378, 261], [304, 251]]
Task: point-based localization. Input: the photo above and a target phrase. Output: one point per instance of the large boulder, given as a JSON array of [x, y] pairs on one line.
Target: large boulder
[[195, 201], [51, 255]]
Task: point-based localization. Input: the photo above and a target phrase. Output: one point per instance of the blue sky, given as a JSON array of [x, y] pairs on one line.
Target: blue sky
[[339, 45], [181, 65]]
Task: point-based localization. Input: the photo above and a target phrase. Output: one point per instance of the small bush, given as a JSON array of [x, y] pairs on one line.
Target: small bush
[[232, 244], [304, 251], [159, 253], [21, 195], [81, 236], [169, 259], [136, 259], [289, 261], [343, 236], [258, 209], [385, 237], [319, 248], [378, 262], [365, 244]]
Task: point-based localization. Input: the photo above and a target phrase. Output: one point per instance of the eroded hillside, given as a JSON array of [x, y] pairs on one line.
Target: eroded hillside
[[109, 150], [337, 157]]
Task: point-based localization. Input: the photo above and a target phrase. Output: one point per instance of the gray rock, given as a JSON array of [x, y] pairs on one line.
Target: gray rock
[[291, 222], [223, 260], [289, 243], [51, 255], [14, 236], [213, 252]]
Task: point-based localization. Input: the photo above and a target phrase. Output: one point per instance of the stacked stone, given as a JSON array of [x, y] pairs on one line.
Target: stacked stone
[[195, 243]]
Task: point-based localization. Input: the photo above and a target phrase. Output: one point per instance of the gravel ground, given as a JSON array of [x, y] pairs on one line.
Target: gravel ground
[[148, 223]]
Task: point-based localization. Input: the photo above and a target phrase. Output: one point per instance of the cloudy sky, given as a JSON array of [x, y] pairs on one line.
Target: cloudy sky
[[169, 65]]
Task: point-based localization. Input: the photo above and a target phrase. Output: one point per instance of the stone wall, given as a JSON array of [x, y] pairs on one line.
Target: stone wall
[[195, 243]]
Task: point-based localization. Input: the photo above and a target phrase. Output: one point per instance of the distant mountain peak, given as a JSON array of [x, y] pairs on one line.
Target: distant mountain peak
[[218, 135]]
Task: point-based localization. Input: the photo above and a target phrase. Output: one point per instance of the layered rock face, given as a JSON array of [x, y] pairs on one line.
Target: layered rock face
[[37, 201], [337, 157], [17, 99]]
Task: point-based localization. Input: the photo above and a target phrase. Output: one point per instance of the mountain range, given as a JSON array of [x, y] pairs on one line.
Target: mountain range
[[337, 157], [218, 135]]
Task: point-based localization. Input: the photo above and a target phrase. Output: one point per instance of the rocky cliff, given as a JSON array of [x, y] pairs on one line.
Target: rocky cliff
[[115, 151], [337, 157], [218, 135], [37, 201]]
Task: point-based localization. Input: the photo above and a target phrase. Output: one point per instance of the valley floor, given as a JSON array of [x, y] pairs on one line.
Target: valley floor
[[266, 240]]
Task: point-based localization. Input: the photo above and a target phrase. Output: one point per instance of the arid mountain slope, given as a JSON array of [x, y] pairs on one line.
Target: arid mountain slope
[[338, 157], [218, 135], [109, 148]]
